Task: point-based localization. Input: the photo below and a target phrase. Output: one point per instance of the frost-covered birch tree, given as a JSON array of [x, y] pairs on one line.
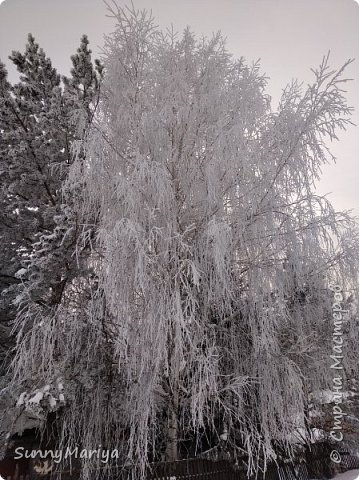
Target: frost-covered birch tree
[[206, 324]]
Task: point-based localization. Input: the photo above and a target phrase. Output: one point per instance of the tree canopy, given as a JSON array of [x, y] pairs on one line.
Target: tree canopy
[[196, 315]]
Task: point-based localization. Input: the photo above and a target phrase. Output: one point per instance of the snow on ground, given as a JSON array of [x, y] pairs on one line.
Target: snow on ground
[[350, 475]]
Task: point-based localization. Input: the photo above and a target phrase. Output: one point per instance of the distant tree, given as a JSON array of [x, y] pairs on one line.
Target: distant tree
[[41, 119], [204, 322]]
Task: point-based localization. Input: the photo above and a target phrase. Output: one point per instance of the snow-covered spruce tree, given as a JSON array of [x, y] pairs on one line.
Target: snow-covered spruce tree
[[7, 240], [24, 182], [206, 322], [41, 119]]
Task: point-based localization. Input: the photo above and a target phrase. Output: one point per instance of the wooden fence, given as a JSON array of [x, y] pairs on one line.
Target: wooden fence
[[197, 469]]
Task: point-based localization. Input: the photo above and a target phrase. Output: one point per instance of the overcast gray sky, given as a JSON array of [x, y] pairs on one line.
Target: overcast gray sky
[[290, 37]]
